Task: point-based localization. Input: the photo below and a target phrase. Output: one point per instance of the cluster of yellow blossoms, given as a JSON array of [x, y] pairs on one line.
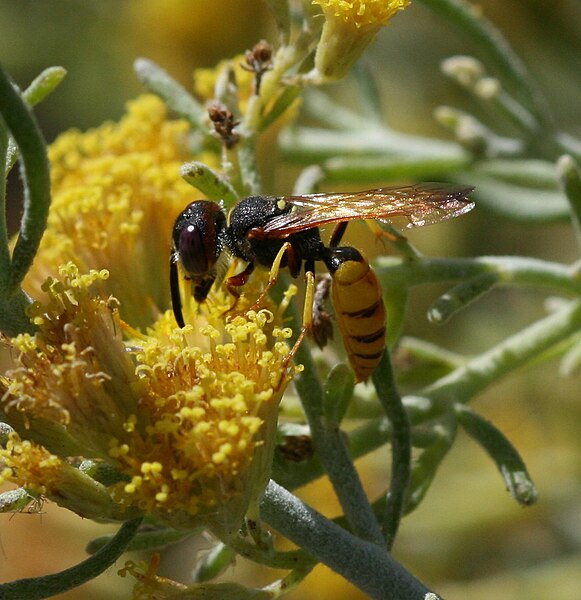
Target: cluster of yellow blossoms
[[184, 418], [116, 191]]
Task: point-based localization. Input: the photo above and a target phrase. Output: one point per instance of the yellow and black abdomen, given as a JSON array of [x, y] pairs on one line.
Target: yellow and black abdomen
[[359, 309]]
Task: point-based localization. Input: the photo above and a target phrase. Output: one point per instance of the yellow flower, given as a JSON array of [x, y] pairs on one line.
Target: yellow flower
[[349, 28], [116, 193], [184, 418]]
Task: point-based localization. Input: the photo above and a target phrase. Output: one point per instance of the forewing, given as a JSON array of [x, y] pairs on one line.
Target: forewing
[[421, 204]]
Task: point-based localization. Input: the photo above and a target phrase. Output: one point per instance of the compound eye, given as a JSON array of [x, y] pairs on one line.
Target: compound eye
[[197, 237], [193, 251]]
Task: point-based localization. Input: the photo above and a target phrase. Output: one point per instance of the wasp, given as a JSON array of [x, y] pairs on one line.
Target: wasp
[[283, 232]]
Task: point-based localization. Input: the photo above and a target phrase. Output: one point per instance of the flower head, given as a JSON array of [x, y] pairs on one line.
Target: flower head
[[185, 417], [116, 192], [349, 28]]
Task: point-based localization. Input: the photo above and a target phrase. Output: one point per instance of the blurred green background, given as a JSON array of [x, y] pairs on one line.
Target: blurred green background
[[468, 539]]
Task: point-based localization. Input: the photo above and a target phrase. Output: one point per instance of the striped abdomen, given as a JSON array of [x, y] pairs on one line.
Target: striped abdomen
[[359, 310]]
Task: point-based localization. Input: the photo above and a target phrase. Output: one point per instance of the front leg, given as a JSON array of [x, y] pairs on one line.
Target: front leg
[[287, 249], [237, 281]]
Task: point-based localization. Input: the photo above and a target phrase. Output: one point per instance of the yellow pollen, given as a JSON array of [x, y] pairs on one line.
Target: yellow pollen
[[129, 425], [151, 468]]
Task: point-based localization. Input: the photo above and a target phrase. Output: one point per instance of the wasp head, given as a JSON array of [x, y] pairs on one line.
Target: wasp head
[[198, 243]]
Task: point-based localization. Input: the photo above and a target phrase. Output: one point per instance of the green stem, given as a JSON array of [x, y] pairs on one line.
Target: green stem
[[255, 118], [333, 452], [36, 588], [291, 559], [365, 564], [513, 111], [388, 395], [35, 168], [5, 262]]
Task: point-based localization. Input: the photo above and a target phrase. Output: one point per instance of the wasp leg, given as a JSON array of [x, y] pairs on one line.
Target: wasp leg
[[337, 234], [322, 324], [307, 318], [236, 281], [174, 285], [286, 248], [393, 235]]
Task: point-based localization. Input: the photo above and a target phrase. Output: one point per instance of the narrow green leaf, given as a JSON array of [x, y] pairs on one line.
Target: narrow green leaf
[[104, 473], [309, 180], [367, 170], [211, 183], [38, 90], [515, 351], [420, 362], [427, 464], [332, 450], [43, 85], [396, 305], [36, 588], [156, 80], [364, 563], [571, 362], [214, 562], [146, 540], [526, 205], [307, 145], [502, 452], [570, 180], [530, 173], [460, 296], [368, 91], [479, 140], [281, 104]]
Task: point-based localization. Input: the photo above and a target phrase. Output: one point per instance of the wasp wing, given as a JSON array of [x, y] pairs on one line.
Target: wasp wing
[[421, 204]]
